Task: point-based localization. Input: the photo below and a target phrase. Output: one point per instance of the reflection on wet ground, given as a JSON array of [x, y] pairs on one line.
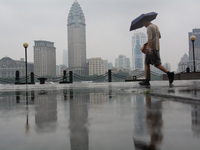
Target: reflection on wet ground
[[154, 124], [106, 117]]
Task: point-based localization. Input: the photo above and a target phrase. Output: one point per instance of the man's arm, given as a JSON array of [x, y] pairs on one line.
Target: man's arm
[[149, 44]]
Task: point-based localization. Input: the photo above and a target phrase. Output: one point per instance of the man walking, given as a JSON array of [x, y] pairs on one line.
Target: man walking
[[152, 55]]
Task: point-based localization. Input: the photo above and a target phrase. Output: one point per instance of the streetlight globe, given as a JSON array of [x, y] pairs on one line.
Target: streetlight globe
[[25, 45], [193, 38]]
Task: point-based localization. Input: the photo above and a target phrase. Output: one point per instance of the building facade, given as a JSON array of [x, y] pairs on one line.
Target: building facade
[[122, 62], [8, 67], [138, 39], [96, 66], [196, 33], [184, 63], [76, 40], [187, 61], [44, 58]]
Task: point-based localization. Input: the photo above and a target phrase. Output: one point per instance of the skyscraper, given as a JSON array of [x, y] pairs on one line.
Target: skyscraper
[[167, 66], [122, 62], [76, 40], [44, 58], [195, 32], [138, 39]]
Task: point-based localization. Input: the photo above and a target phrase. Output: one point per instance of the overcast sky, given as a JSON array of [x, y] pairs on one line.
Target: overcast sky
[[107, 26]]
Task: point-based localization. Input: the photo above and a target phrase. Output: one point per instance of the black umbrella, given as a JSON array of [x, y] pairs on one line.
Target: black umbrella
[[137, 22]]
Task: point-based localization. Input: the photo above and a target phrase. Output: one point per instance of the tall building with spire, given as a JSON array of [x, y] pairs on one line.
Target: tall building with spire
[[138, 39], [76, 40]]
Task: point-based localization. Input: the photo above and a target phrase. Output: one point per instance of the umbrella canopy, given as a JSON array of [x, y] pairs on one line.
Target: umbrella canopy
[[137, 22]]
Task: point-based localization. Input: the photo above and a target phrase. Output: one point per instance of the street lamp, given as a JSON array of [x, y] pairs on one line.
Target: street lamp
[[193, 38], [25, 46]]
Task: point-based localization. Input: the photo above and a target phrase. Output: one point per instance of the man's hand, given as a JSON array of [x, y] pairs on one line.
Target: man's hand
[[150, 52], [149, 44]]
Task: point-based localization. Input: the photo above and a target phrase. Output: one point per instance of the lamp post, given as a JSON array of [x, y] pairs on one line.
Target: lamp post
[[25, 46], [193, 38]]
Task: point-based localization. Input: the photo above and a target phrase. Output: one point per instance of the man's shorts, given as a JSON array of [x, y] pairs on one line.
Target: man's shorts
[[154, 58]]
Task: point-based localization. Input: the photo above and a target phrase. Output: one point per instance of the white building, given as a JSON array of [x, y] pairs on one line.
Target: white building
[[184, 63], [96, 66], [138, 39]]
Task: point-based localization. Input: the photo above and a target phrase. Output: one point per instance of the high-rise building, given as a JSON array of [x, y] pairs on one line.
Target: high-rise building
[[122, 62], [106, 65], [65, 58], [138, 39], [167, 66], [44, 58], [96, 66], [76, 40], [195, 32], [110, 65]]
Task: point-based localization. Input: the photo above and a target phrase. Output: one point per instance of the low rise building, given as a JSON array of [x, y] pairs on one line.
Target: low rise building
[[96, 66], [8, 67]]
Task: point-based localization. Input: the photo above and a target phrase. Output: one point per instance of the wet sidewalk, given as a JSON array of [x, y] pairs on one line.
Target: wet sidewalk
[[98, 116], [180, 90]]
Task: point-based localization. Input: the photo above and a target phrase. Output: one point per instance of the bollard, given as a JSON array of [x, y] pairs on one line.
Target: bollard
[[187, 69], [64, 73], [17, 79], [134, 78], [71, 77], [64, 76], [32, 78], [42, 80], [109, 76]]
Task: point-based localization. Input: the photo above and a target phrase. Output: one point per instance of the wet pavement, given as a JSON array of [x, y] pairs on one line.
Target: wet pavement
[[98, 116]]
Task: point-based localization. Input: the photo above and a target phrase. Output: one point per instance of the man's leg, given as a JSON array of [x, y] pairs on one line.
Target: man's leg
[[147, 71], [169, 74], [147, 75], [162, 68]]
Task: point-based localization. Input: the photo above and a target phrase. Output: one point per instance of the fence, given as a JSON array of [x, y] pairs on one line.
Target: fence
[[71, 77]]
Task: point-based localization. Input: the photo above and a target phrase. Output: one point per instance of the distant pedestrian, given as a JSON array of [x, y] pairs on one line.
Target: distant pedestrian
[[152, 54]]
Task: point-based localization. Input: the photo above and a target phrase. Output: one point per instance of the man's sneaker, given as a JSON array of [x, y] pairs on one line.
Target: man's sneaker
[[145, 82], [170, 77]]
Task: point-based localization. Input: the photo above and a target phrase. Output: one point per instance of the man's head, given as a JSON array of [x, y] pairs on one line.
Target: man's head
[[146, 23]]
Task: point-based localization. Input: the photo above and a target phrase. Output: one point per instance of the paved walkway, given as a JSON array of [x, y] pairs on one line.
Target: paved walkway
[[180, 90]]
